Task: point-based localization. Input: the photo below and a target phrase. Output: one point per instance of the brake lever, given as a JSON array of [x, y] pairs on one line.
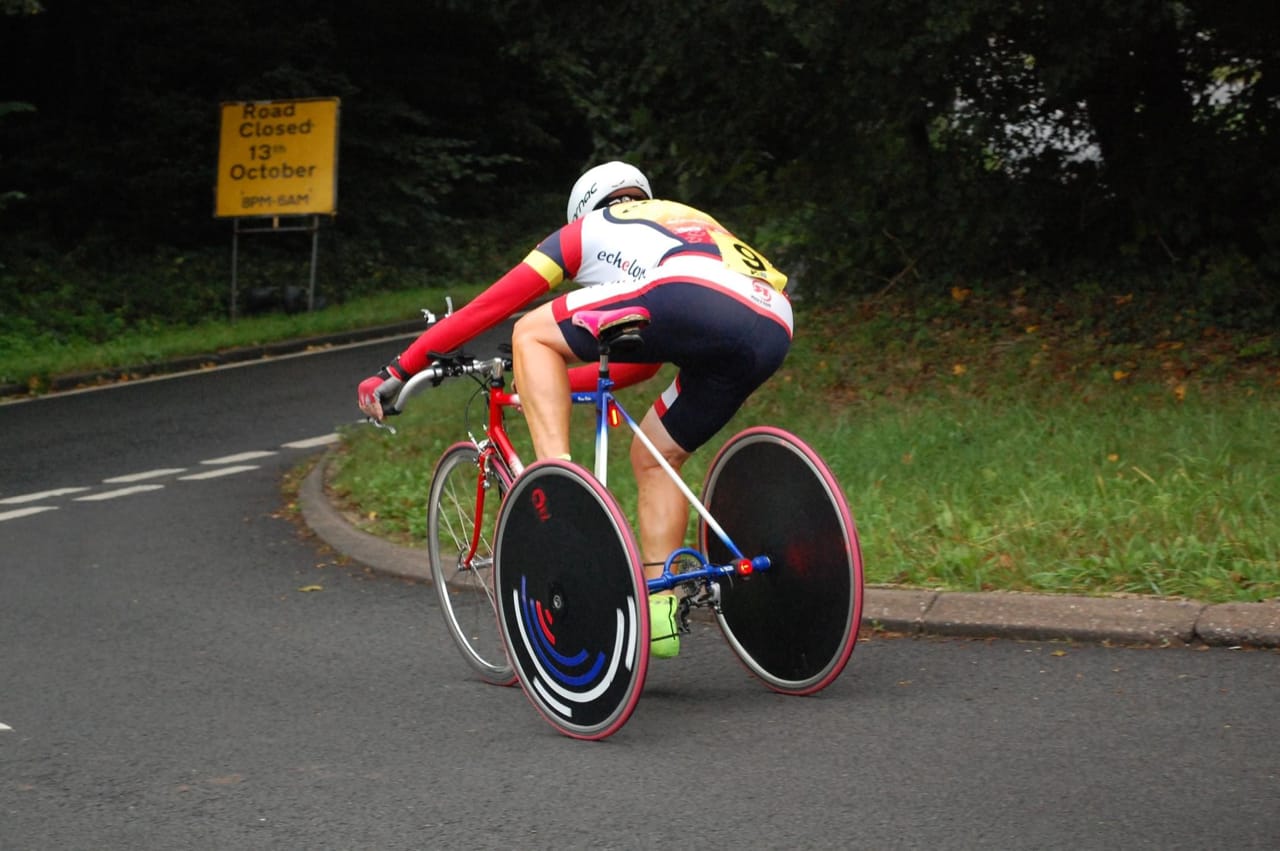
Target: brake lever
[[431, 318]]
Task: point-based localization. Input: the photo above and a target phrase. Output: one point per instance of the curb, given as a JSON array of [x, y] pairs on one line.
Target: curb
[[1001, 614]]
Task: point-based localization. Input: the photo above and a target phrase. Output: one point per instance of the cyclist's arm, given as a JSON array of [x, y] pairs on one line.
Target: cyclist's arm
[[508, 294], [555, 259]]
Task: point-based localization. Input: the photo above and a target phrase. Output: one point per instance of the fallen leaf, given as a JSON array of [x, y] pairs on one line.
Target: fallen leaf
[[306, 588]]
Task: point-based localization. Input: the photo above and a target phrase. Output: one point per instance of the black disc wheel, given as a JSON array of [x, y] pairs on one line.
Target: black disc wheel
[[573, 603], [795, 623]]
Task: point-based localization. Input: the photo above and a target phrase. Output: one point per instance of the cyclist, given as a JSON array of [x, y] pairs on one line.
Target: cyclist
[[718, 312]]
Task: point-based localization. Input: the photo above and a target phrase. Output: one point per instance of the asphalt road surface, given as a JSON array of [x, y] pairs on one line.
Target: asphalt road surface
[[167, 683]]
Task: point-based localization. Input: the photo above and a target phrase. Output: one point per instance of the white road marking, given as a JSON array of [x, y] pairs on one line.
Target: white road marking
[[139, 477], [25, 512], [36, 497], [235, 459], [99, 497], [312, 442], [232, 467], [221, 471]]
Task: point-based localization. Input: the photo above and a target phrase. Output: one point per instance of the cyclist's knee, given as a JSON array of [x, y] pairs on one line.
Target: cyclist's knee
[[642, 459], [525, 332]]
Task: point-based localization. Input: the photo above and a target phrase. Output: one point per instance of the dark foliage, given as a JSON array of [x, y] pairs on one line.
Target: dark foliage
[[866, 144]]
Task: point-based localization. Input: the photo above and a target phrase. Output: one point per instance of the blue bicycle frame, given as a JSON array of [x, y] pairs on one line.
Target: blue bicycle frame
[[609, 413]]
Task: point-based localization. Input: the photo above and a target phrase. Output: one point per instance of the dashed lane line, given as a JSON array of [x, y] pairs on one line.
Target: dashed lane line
[[221, 471], [119, 492], [25, 512], [243, 456], [313, 442], [227, 465], [142, 477], [36, 497]]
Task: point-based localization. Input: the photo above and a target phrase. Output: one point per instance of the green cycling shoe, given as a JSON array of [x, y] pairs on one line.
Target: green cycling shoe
[[664, 628]]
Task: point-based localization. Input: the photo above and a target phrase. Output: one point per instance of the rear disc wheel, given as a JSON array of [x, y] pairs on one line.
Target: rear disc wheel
[[794, 624]]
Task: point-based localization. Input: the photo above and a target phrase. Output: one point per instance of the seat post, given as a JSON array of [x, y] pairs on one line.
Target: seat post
[[604, 359]]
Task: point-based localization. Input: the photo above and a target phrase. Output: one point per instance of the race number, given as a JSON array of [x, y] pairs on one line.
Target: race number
[[745, 260]]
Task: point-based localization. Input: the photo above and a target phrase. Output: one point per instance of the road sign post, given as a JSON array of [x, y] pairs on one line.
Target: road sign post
[[277, 160]]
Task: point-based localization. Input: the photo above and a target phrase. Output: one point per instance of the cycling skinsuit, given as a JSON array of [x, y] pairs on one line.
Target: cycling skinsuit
[[717, 307]]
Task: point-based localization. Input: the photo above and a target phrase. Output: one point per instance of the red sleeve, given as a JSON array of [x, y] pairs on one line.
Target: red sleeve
[[564, 248], [583, 378], [507, 295]]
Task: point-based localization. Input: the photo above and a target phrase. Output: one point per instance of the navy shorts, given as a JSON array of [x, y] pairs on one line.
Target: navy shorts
[[724, 350]]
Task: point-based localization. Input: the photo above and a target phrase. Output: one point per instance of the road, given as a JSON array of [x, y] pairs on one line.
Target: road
[[167, 682]]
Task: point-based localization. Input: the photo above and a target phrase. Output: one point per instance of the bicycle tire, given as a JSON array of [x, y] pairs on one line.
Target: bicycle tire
[[793, 625], [572, 599], [464, 586]]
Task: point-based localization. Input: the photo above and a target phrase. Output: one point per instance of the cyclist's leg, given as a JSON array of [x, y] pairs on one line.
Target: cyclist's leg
[[662, 510], [662, 513], [725, 350], [725, 344], [540, 358]]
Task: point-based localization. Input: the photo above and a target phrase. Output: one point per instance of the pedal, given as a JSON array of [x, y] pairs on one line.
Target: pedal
[[699, 596], [682, 617]]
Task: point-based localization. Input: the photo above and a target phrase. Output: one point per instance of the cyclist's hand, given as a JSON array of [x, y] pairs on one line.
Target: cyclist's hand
[[377, 389]]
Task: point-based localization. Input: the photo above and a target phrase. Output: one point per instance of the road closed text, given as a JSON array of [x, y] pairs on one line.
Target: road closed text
[[277, 157], [267, 120]]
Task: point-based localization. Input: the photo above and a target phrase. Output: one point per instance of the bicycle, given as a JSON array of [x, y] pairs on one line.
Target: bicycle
[[560, 586]]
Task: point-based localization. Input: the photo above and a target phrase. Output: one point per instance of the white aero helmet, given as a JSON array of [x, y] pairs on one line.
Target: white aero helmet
[[602, 181]]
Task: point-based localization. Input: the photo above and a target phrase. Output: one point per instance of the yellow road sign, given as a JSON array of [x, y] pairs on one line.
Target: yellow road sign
[[278, 158]]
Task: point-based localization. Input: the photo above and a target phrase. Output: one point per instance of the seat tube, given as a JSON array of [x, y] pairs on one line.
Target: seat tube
[[603, 396]]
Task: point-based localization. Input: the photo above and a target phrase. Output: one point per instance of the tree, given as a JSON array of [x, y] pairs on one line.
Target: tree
[[16, 7], [873, 141]]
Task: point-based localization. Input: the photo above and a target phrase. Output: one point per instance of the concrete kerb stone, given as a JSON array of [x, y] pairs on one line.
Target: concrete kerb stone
[[897, 609], [1014, 615], [328, 523], [1240, 624], [1041, 617]]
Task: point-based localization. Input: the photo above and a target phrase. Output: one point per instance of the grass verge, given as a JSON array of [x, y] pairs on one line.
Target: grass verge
[[1089, 445], [32, 363]]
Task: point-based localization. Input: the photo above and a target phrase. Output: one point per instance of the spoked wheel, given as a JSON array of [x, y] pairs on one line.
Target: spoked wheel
[[793, 625], [462, 516], [573, 603]]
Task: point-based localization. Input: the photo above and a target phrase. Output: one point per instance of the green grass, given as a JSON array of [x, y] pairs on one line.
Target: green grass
[[1093, 444], [1086, 446], [32, 362]]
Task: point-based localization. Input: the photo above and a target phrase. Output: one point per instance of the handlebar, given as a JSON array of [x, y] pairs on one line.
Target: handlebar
[[453, 367]]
